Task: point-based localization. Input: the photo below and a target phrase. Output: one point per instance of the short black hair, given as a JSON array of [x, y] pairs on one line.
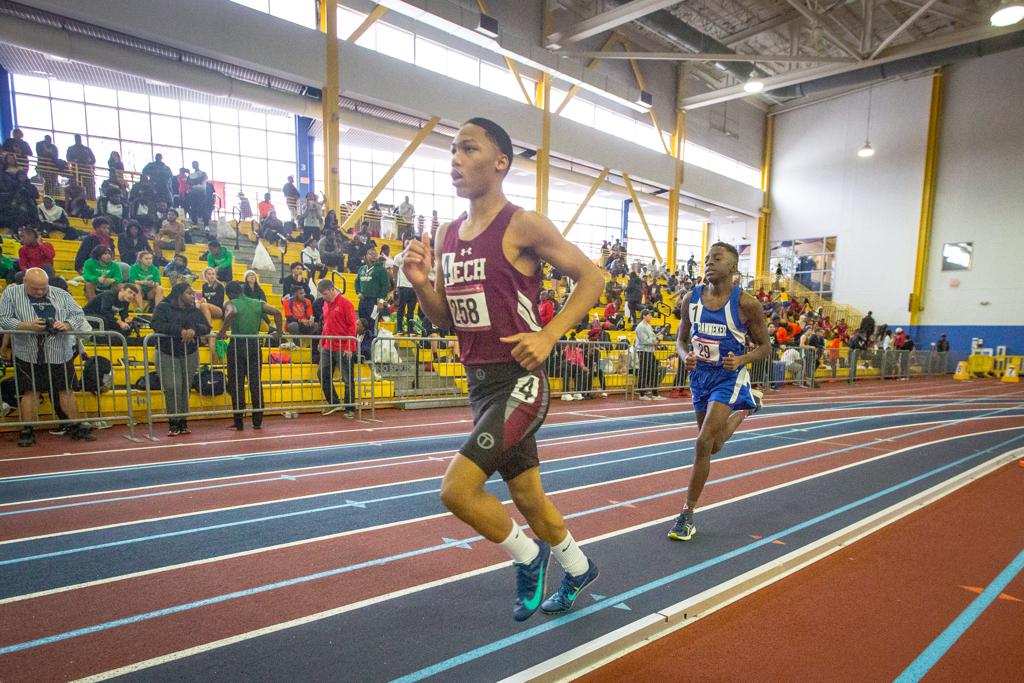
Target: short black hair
[[234, 289], [497, 135], [99, 251], [213, 243], [728, 247], [295, 265]]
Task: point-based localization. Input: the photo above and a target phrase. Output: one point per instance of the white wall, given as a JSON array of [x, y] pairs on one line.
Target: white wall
[[980, 194], [820, 187]]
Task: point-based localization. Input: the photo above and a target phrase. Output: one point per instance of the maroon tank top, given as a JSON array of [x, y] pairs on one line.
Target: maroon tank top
[[488, 298]]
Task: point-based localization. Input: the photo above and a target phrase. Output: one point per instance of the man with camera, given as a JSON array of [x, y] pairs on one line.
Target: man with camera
[[45, 360]]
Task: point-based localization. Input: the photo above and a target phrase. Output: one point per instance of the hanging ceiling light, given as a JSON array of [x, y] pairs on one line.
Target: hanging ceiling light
[[1007, 14], [867, 150], [753, 84]]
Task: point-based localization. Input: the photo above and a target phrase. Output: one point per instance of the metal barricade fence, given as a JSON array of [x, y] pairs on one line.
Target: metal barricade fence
[[92, 388], [585, 370], [305, 372]]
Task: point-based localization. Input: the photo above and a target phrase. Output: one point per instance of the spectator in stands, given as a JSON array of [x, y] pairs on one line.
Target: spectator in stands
[[273, 230], [634, 296], [44, 362], [406, 211], [331, 249], [604, 257], [198, 197], [110, 206], [360, 243], [84, 161], [48, 163], [546, 308], [612, 315], [778, 274], [331, 221], [364, 345], [17, 195], [53, 217], [312, 218], [244, 207], [900, 339], [181, 188], [74, 201], [34, 253], [100, 272], [16, 145], [99, 237], [113, 306], [211, 298], [146, 276], [161, 175], [178, 271], [115, 169], [691, 267], [813, 347], [618, 267], [242, 316], [265, 207], [372, 284], [858, 349], [784, 299], [131, 242], [794, 364], [311, 259], [942, 345], [172, 233], [10, 274], [867, 325], [573, 367], [298, 312], [251, 286], [647, 363], [296, 277], [405, 297], [142, 199], [291, 198], [339, 321], [220, 259], [180, 325]]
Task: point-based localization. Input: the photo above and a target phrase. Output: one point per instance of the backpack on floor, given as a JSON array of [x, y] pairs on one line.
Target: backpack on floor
[[154, 382], [97, 375], [209, 382]]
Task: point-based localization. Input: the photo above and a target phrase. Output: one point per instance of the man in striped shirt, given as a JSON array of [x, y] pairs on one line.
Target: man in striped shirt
[[45, 360]]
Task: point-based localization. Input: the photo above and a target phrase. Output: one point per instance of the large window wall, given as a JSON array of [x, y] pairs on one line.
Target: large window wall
[[250, 151]]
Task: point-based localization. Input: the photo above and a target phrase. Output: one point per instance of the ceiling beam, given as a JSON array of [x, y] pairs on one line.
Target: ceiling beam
[[820, 20], [942, 9], [947, 40], [757, 29], [903, 27], [712, 57], [608, 20]]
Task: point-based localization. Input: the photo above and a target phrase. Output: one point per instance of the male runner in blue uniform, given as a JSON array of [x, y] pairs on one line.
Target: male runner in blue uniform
[[717, 317]]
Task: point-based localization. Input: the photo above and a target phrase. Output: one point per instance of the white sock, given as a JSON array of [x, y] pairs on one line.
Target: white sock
[[519, 546], [570, 556]]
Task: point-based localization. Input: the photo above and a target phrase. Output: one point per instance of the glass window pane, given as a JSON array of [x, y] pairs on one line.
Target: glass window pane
[[361, 173], [278, 172], [225, 138], [95, 95], [254, 172], [280, 146], [172, 157], [195, 111], [102, 147], [68, 116], [253, 119], [424, 181], [164, 105], [369, 38], [33, 112], [200, 155], [102, 121], [348, 21], [463, 67], [360, 154], [224, 115], [253, 142], [166, 130], [131, 100], [226, 168], [135, 155], [134, 126], [301, 12], [282, 124], [578, 110], [67, 91], [195, 134], [400, 44], [431, 55], [31, 85]]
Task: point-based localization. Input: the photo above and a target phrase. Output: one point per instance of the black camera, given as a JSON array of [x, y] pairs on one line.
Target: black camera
[[50, 322]]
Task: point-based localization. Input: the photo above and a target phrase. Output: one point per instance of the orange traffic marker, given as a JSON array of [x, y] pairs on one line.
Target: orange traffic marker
[[1002, 596]]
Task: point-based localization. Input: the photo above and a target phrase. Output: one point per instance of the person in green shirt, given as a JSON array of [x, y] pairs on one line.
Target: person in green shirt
[[100, 271], [372, 284], [147, 277], [220, 257], [242, 316]]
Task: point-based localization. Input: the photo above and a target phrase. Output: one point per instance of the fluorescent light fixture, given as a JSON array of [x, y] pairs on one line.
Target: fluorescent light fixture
[[160, 84], [866, 151], [488, 26], [1007, 14], [56, 58], [753, 84]]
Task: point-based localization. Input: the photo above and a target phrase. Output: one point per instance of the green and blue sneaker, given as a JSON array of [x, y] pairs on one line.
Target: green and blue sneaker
[[562, 600], [530, 580], [684, 528]]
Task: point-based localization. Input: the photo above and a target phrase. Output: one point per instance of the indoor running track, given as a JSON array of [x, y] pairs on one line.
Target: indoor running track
[[327, 555]]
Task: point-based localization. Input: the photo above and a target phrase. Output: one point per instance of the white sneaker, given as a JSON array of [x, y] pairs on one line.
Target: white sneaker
[[331, 411], [6, 409], [577, 397], [604, 394], [645, 397], [659, 398], [567, 397]]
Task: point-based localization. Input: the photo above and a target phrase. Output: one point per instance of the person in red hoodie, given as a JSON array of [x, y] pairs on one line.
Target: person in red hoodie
[[339, 321], [546, 309], [611, 314], [33, 253]]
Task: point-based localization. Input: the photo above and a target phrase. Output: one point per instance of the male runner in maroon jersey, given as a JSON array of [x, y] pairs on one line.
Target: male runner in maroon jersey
[[487, 286]]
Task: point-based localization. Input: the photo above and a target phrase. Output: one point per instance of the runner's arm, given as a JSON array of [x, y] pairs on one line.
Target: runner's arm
[[683, 347], [419, 258], [753, 316]]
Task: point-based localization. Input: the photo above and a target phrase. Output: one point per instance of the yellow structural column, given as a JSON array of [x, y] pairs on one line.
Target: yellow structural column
[[331, 105], [924, 231], [676, 150], [543, 154], [761, 255], [703, 246]]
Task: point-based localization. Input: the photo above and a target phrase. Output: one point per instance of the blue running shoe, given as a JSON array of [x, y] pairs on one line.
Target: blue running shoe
[[530, 580], [562, 600]]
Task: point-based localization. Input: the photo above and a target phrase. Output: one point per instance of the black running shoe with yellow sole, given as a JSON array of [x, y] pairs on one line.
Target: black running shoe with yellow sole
[[684, 528]]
